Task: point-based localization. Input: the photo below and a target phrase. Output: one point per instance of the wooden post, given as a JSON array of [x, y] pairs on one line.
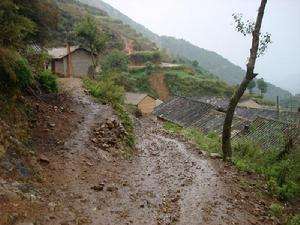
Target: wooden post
[[69, 62]]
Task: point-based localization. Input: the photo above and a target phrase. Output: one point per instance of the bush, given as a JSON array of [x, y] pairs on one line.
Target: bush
[[23, 73], [276, 209], [187, 85], [208, 143], [115, 61], [106, 91], [266, 102], [294, 220], [15, 72], [142, 57], [48, 82], [283, 175]]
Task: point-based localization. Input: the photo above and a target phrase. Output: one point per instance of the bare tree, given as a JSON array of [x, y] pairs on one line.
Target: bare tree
[[259, 45]]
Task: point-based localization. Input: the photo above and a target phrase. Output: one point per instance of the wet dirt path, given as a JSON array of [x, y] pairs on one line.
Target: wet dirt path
[[166, 182]]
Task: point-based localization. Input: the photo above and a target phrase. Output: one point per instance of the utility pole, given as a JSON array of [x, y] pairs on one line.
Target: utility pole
[[277, 106], [69, 61]]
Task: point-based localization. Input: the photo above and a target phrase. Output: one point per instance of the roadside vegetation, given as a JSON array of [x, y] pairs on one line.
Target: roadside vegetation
[[107, 91], [209, 143]]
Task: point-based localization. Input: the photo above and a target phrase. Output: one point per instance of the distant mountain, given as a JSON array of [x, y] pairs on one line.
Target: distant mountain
[[209, 60]]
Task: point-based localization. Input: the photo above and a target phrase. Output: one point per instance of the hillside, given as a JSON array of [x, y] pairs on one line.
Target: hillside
[[209, 60], [181, 81], [121, 36]]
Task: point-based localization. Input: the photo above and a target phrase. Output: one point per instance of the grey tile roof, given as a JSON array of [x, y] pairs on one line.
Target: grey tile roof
[[252, 114], [192, 113], [58, 53], [183, 111], [189, 112], [217, 102], [269, 133]]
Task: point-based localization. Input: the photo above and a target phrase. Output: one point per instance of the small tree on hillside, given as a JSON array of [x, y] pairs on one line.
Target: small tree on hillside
[[262, 86], [116, 61], [15, 28], [89, 36], [259, 45], [251, 86]]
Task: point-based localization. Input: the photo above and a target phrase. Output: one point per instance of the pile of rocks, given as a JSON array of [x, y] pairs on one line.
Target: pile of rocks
[[109, 134]]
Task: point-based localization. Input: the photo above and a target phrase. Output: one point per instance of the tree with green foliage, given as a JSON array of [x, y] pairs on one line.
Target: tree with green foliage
[[115, 61], [15, 71], [251, 86], [89, 36], [15, 28], [195, 64], [259, 45], [44, 14], [262, 86], [22, 23]]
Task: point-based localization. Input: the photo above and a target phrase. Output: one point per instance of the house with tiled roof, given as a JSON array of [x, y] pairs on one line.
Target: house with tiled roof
[[269, 133], [205, 115], [144, 102], [74, 61], [189, 112]]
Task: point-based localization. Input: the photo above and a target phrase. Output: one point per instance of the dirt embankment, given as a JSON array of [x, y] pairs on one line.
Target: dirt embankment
[[167, 182], [158, 84], [129, 45]]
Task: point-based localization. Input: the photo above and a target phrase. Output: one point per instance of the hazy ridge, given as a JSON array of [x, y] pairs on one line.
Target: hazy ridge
[[209, 60]]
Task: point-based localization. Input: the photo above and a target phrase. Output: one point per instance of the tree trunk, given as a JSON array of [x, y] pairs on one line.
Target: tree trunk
[[226, 136]]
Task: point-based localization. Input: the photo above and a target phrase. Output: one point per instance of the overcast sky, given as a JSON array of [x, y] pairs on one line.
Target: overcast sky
[[209, 24]]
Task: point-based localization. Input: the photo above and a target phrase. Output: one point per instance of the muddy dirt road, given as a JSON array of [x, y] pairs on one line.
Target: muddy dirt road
[[166, 182]]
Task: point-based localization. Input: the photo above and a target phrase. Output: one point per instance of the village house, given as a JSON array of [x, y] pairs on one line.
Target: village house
[[266, 127], [144, 102], [188, 112], [71, 61], [269, 133]]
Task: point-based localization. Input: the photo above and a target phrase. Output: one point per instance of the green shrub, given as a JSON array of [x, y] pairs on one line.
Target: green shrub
[[48, 82], [183, 84], [266, 102], [246, 149], [210, 143], [143, 57], [24, 74], [294, 220], [283, 175], [276, 209], [115, 61], [140, 81], [106, 91], [15, 72]]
